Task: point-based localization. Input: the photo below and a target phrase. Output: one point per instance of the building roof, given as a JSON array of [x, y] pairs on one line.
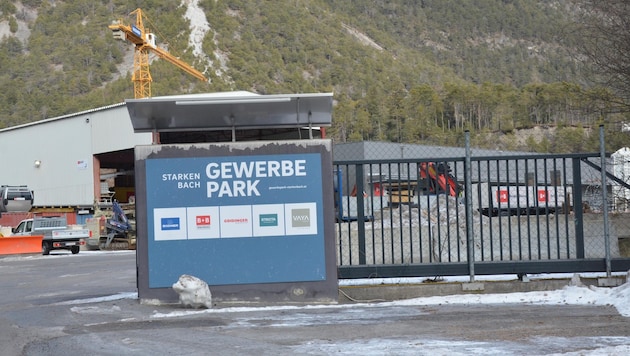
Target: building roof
[[57, 118], [229, 111]]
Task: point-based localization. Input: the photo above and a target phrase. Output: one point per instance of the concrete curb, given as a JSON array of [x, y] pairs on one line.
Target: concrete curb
[[392, 292]]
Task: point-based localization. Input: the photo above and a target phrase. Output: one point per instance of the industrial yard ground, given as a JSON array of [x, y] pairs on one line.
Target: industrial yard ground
[[91, 307]]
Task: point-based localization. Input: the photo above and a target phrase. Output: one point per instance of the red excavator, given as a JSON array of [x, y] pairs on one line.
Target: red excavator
[[439, 178]]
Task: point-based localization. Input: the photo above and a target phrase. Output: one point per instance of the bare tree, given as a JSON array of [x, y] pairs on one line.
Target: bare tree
[[603, 27]]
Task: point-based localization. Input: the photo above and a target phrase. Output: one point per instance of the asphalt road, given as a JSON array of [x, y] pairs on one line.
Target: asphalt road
[[80, 305]]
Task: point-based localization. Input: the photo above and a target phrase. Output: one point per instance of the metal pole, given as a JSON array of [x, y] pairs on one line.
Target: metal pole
[[602, 155], [578, 208], [360, 213], [468, 209]]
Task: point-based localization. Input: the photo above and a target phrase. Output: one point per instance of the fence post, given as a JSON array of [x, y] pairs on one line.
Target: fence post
[[360, 212], [468, 210], [578, 208], [602, 156]]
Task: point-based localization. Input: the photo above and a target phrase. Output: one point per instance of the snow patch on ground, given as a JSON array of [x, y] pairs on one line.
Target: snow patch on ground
[[437, 347], [96, 310], [619, 297], [107, 298]]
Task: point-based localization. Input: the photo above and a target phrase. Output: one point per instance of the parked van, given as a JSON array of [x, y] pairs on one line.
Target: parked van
[[15, 198]]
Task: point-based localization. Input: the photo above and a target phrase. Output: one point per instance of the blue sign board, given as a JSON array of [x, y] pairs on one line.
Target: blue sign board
[[235, 219], [136, 31]]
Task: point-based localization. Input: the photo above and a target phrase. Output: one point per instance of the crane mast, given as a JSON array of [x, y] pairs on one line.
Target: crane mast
[[144, 42]]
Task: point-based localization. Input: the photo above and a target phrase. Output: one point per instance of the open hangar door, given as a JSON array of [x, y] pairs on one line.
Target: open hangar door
[[113, 222], [116, 176]]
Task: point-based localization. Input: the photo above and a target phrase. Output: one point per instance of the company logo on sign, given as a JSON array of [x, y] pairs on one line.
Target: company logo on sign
[[300, 217], [268, 220], [170, 224], [236, 221], [542, 195], [202, 220], [502, 196]]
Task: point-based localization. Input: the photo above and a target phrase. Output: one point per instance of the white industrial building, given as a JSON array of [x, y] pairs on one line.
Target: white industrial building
[[61, 159]]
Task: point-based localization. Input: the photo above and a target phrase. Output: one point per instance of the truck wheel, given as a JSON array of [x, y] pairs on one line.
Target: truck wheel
[[46, 247], [75, 249]]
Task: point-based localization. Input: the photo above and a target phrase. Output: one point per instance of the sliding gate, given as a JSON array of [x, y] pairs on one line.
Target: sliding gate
[[514, 214]]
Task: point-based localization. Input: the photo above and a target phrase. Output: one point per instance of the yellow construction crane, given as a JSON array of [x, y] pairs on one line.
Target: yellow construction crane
[[144, 43]]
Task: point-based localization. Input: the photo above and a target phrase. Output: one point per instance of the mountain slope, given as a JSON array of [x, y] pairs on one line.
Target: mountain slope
[[59, 57]]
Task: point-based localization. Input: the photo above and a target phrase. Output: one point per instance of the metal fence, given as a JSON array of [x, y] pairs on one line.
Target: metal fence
[[461, 213]]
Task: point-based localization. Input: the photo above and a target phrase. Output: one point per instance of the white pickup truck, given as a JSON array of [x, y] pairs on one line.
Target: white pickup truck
[[57, 234]]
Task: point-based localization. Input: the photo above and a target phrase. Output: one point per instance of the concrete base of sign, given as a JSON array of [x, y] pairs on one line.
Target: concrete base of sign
[[254, 295]]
